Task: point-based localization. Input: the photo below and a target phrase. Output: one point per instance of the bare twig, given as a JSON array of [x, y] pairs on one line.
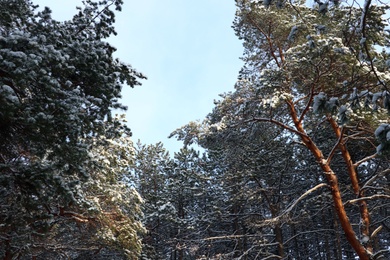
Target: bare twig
[[307, 232], [272, 257], [366, 185], [232, 237], [285, 212], [356, 164], [303, 196], [376, 196], [376, 231]]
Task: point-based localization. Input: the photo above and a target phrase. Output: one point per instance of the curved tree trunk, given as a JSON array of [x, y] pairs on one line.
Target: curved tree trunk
[[353, 175], [332, 181]]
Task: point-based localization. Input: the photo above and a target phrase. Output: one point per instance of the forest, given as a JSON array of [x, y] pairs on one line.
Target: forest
[[294, 163]]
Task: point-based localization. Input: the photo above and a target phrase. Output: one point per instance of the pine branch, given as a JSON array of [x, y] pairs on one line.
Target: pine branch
[[363, 25], [270, 120], [94, 18]]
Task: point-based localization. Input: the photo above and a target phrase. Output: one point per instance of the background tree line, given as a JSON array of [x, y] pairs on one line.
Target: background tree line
[[294, 162]]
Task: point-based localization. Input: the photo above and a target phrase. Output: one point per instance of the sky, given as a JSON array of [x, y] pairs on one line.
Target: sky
[[186, 48]]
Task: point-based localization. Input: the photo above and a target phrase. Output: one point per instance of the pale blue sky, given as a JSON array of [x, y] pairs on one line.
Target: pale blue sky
[[186, 48]]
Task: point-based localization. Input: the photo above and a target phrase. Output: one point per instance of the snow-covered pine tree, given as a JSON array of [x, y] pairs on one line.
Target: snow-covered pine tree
[[61, 191], [317, 73]]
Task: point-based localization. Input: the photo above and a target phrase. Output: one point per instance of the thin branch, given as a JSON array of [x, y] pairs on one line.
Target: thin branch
[[299, 14], [262, 119], [307, 232], [303, 196], [246, 252], [232, 237], [379, 253], [307, 105], [366, 185], [254, 24], [363, 19], [61, 247], [277, 219], [331, 154], [272, 257], [356, 164], [376, 231], [363, 23], [376, 196], [94, 18], [73, 215]]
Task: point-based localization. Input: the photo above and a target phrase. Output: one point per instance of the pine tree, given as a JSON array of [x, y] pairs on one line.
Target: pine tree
[[316, 75], [58, 83]]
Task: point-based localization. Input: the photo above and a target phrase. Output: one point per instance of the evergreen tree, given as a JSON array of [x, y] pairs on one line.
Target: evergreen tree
[[316, 75], [62, 155], [174, 190], [152, 162]]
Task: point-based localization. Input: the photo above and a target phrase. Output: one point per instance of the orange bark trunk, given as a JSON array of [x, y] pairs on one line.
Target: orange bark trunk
[[334, 186], [353, 175]]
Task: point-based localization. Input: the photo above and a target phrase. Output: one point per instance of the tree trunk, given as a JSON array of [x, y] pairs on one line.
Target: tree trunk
[[353, 175], [337, 248], [332, 181], [296, 245], [327, 246], [279, 239], [8, 253]]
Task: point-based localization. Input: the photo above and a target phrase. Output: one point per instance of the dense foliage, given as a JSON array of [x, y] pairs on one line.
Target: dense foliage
[[302, 142], [63, 158], [295, 161]]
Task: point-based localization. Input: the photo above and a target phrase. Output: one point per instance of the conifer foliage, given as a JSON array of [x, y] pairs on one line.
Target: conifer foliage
[[296, 157], [313, 96], [62, 155]]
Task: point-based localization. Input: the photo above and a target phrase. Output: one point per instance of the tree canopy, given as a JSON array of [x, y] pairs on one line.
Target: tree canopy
[[316, 78], [292, 164], [63, 157]]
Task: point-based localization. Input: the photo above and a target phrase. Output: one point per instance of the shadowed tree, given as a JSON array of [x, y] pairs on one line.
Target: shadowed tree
[[62, 193]]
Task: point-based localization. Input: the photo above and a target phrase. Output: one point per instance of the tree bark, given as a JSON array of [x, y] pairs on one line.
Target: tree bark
[[279, 239], [294, 232], [353, 175], [337, 250], [333, 184], [327, 246]]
